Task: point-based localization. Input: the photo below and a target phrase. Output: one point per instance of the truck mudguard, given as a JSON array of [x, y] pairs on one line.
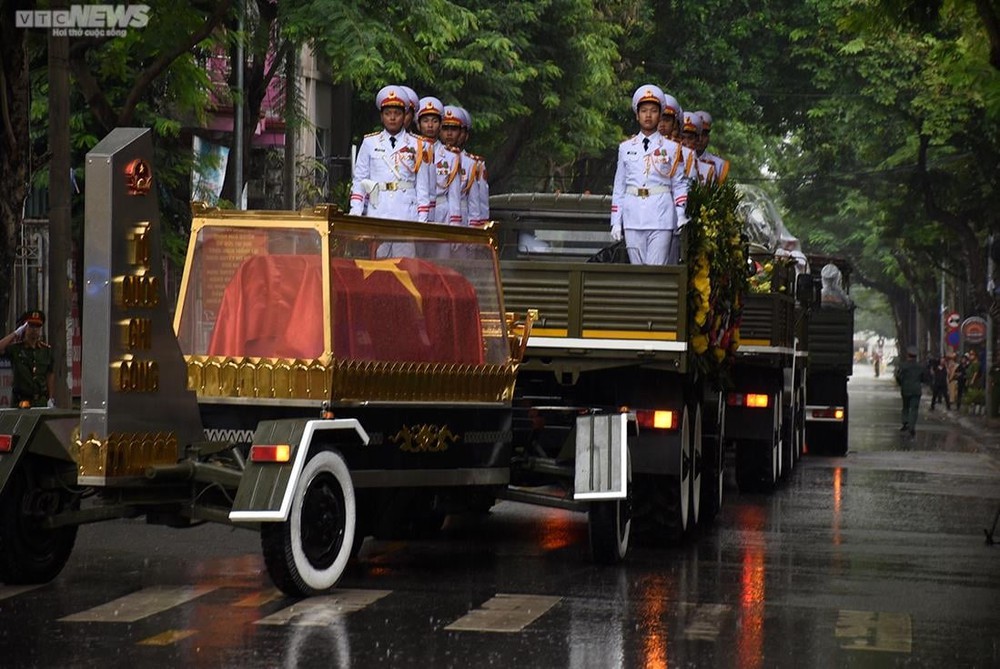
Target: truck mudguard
[[265, 492], [601, 457], [43, 432]]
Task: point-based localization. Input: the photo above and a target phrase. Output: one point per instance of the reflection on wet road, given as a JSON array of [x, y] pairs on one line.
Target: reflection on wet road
[[874, 559]]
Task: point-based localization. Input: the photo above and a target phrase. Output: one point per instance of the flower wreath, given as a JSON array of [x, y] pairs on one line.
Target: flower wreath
[[718, 279]]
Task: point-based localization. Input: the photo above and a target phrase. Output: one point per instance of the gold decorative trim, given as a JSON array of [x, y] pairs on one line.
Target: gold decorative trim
[[125, 454], [424, 438], [349, 380]]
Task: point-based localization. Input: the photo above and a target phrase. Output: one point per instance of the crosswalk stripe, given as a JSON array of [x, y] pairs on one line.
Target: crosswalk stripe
[[320, 611], [873, 631], [258, 599], [505, 613], [139, 605], [15, 590], [167, 638], [706, 622]]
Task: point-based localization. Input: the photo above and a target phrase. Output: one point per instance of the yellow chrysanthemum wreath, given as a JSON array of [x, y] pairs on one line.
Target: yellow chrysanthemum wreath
[[717, 280]]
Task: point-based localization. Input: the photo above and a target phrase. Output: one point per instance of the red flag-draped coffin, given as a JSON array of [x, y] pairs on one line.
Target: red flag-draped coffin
[[392, 310]]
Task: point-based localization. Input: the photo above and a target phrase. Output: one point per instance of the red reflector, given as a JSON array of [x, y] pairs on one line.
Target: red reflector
[[749, 400], [836, 413], [656, 420], [6, 443], [278, 453]]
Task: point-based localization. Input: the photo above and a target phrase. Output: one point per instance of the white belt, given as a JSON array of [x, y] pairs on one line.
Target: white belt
[[397, 185], [646, 192]]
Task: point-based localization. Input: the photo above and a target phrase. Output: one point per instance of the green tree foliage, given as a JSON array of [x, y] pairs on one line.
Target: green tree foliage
[[893, 161], [874, 120]]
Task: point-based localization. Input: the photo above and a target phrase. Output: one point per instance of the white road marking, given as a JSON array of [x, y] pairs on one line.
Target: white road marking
[[167, 638], [869, 630], [505, 613], [139, 605], [7, 591], [706, 622], [259, 599], [321, 611]]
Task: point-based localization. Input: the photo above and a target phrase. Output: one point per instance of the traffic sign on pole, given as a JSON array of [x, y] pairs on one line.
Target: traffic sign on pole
[[974, 330]]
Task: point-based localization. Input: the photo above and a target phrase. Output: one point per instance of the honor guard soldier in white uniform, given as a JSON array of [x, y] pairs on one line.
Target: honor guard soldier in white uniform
[[451, 135], [721, 164], [670, 123], [670, 117], [702, 170], [388, 181], [650, 189], [447, 163], [476, 186], [410, 111]]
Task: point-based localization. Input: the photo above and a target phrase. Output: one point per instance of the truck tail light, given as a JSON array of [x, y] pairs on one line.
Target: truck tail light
[[276, 453], [658, 419], [830, 413], [6, 443], [749, 400]]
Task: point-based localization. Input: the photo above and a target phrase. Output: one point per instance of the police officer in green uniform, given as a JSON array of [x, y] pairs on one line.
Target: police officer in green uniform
[[31, 358], [910, 377]]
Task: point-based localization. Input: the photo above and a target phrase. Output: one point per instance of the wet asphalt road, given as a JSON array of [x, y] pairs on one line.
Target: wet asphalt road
[[875, 559]]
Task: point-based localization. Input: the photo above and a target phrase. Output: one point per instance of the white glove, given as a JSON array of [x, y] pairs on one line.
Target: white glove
[[616, 233], [682, 217], [51, 403], [19, 332]]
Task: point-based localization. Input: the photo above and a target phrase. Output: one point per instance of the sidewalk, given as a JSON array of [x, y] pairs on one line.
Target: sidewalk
[[982, 425]]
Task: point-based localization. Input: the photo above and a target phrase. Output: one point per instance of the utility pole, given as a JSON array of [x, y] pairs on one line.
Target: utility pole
[[291, 125], [990, 286], [941, 316], [59, 208], [238, 112]]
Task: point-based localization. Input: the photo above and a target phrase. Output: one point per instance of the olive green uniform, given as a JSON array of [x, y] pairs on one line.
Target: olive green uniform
[[31, 367], [911, 376]]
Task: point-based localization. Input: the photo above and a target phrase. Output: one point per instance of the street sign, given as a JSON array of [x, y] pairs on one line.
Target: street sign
[[954, 320], [953, 338], [974, 330]]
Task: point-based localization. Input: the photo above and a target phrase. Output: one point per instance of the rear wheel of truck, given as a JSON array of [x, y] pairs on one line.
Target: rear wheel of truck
[[712, 477], [697, 455], [308, 553], [667, 497], [758, 462], [799, 429], [30, 553], [828, 439], [788, 439], [610, 527], [756, 466]]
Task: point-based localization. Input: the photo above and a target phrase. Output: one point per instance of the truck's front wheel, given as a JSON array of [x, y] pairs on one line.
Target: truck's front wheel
[[30, 553], [307, 554]]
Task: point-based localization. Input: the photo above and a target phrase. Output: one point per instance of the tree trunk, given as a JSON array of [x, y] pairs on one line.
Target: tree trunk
[[15, 153]]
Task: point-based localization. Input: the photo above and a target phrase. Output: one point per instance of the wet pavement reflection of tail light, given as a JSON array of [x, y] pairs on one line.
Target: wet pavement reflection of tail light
[[653, 618], [752, 583], [556, 530], [837, 480]]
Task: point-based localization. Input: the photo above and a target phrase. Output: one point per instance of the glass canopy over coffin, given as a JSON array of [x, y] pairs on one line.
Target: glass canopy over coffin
[[314, 289]]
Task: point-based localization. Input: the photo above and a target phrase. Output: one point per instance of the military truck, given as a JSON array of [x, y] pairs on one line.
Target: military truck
[[767, 398], [324, 378], [610, 339], [831, 357]]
